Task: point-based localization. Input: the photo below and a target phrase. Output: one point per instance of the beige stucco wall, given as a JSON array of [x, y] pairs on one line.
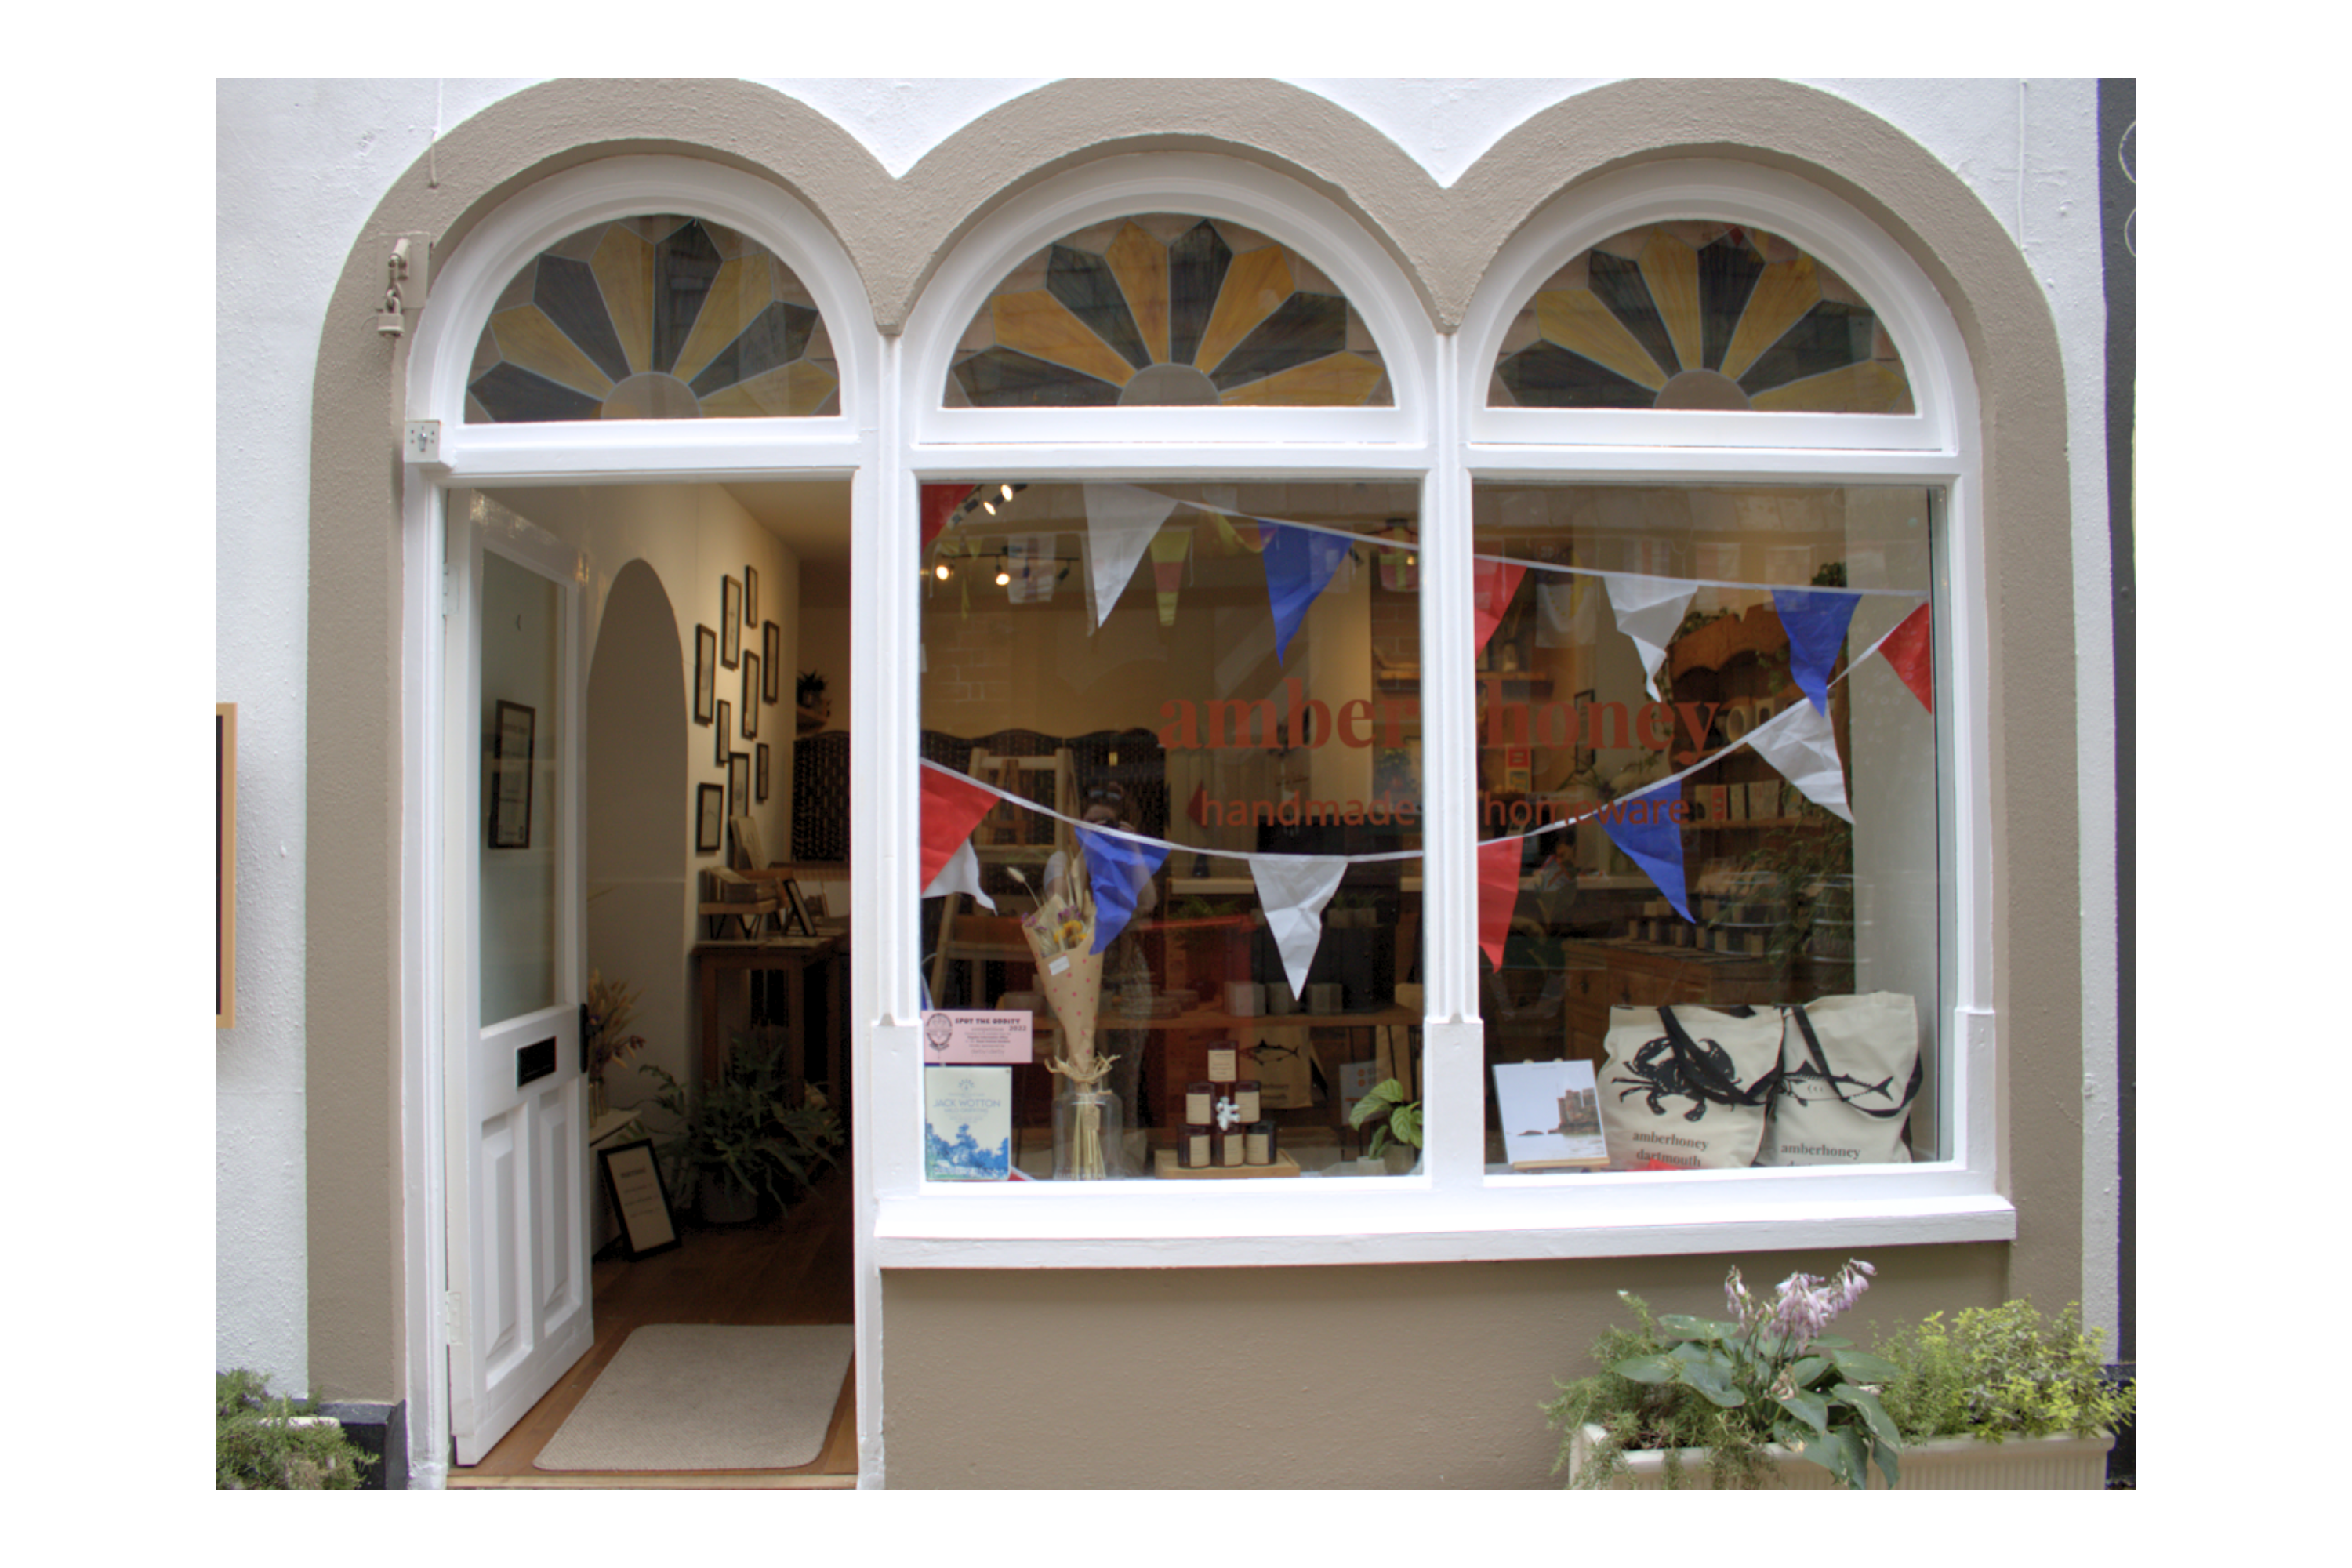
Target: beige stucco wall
[[1424, 1374]]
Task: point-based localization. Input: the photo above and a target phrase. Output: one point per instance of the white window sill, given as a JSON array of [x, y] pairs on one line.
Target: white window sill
[[1403, 1220]]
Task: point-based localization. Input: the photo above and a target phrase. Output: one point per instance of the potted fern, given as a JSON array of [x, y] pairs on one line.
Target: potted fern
[[747, 1138]]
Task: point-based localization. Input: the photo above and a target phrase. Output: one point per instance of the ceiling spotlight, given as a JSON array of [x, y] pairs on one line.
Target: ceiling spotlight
[[989, 507], [1004, 491], [1003, 578], [940, 570]]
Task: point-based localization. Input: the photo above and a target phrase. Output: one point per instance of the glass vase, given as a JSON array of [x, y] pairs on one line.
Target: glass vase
[[1087, 1135]]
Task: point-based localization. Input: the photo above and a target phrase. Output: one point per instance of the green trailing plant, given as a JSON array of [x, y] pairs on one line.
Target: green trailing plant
[[264, 1442], [749, 1131], [1771, 1376], [1397, 1118], [1995, 1373]]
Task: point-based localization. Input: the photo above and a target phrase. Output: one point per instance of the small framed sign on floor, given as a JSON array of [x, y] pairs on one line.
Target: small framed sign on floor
[[634, 1177]]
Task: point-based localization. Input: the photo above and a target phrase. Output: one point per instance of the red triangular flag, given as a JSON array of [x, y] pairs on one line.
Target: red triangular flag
[[953, 807], [1498, 894], [939, 502], [1907, 655], [1493, 582]]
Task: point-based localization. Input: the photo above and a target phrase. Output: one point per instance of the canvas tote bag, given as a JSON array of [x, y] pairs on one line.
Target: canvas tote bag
[[1849, 1071], [1687, 1086]]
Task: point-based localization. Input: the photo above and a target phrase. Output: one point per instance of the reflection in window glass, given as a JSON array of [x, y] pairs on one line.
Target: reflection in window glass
[[1707, 791], [1699, 315], [653, 318], [1173, 732]]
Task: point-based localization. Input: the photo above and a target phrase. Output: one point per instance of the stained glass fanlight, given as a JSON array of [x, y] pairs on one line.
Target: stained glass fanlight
[[1161, 309], [1699, 315], [653, 318]]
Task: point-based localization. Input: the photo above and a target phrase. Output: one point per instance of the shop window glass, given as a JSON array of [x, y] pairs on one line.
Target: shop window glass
[[1164, 308], [1224, 679], [653, 318], [1704, 316], [1708, 781]]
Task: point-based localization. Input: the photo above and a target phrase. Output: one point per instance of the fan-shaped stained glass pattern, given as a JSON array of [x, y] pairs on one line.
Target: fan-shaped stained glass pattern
[[1699, 315], [653, 318], [1161, 309]]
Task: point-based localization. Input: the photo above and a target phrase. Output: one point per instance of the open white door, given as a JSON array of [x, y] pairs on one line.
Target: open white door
[[520, 1292]]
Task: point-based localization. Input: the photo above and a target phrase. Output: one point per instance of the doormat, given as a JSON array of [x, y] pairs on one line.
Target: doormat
[[704, 1397]]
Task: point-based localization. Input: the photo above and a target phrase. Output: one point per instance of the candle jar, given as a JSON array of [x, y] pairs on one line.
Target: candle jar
[[1261, 1142], [1225, 1062], [1245, 1100], [1196, 1149], [1233, 1148], [1200, 1103]]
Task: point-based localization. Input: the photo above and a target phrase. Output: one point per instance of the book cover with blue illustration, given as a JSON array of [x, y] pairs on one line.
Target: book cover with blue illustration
[[968, 1123]]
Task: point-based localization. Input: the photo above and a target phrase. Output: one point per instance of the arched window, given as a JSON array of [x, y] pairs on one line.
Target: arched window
[[653, 317], [1157, 309]]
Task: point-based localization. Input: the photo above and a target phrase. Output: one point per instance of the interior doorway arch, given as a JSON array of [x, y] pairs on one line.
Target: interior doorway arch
[[638, 900]]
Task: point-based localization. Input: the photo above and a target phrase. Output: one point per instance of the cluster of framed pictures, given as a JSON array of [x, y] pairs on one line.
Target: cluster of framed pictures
[[748, 773]]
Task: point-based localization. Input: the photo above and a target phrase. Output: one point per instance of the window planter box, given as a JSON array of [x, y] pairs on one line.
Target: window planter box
[[1945, 1463]]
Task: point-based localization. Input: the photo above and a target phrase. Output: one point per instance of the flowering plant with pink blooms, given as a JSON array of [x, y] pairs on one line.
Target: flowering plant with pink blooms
[[1770, 1374]]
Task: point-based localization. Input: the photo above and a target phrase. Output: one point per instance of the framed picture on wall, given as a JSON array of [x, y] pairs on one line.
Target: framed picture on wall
[[724, 732], [730, 622], [751, 696], [511, 744], [739, 783], [750, 596], [710, 818], [706, 672], [759, 771], [772, 652]]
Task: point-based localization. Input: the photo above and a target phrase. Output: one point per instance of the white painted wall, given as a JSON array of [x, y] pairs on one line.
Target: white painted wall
[[301, 165]]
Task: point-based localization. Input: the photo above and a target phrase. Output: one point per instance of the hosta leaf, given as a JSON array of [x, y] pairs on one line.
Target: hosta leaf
[[1809, 1408], [1711, 1379], [1842, 1452], [1885, 1453], [1831, 1343], [1804, 1369], [1873, 1414], [1647, 1369], [1860, 1366]]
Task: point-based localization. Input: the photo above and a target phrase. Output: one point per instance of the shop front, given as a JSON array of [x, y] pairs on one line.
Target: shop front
[[1404, 758]]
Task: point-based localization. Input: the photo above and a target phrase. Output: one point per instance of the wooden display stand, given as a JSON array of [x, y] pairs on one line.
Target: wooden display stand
[[1165, 1166]]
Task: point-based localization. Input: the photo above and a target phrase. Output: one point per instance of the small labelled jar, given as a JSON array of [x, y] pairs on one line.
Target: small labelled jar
[[1200, 1104], [1233, 1148], [1261, 1143], [1196, 1148], [1247, 1100], [1225, 1061]]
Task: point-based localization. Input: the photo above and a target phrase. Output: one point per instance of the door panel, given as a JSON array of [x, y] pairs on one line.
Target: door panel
[[518, 1217]]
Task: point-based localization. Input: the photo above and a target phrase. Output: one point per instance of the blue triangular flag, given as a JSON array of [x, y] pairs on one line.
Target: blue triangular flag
[[1116, 869], [1816, 621], [1643, 826], [1298, 566]]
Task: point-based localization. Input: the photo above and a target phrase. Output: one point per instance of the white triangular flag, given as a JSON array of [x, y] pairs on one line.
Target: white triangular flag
[[960, 875], [1293, 890], [1120, 521], [1556, 609], [1799, 742], [1648, 610]]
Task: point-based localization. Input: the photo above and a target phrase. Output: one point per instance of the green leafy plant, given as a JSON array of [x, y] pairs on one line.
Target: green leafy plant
[[749, 1131], [1772, 1375], [1994, 1373], [1399, 1119], [270, 1443]]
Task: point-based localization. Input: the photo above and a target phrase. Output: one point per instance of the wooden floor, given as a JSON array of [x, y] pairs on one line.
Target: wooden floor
[[798, 1269]]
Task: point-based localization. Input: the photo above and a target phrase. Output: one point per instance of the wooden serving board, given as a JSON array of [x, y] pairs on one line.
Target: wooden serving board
[[1168, 1170]]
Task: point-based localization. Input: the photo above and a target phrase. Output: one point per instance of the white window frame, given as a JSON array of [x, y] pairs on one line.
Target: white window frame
[[1453, 1210]]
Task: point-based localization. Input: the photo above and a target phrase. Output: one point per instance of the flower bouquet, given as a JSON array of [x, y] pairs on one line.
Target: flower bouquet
[[1061, 935], [610, 1008]]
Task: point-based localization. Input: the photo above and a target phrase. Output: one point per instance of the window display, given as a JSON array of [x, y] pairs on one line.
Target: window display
[[1707, 814], [1172, 813]]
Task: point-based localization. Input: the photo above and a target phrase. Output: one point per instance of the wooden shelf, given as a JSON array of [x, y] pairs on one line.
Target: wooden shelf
[[1717, 642]]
